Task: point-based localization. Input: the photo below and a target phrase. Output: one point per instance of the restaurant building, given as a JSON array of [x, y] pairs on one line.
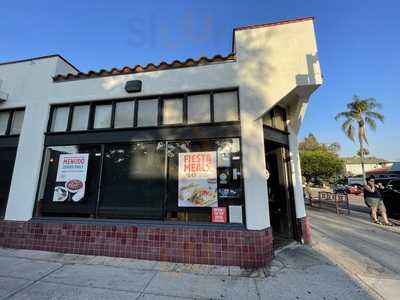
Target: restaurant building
[[192, 161]]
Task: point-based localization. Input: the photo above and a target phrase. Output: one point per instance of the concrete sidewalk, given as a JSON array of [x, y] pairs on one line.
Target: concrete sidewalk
[[368, 252], [298, 272]]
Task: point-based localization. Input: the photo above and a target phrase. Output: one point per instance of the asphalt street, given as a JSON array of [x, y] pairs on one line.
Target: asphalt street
[[368, 252]]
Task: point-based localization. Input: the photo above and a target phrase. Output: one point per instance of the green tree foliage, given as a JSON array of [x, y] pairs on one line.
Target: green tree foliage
[[320, 160]]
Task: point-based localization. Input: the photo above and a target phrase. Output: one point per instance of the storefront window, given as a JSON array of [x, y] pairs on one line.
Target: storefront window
[[198, 109], [16, 124], [147, 113], [180, 180], [60, 118], [172, 111], [102, 116], [80, 117], [124, 112], [70, 180], [4, 116], [202, 175], [226, 107], [133, 180]]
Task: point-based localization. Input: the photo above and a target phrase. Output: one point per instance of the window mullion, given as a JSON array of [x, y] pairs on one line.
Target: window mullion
[[160, 111], [91, 115], [185, 109], [135, 112], [70, 116], [212, 107], [10, 117], [113, 104]]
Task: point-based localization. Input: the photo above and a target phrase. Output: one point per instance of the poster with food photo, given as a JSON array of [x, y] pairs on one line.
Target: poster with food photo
[[71, 177], [197, 179]]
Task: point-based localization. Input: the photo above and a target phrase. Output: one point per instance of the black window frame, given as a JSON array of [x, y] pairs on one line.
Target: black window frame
[[233, 132], [114, 108], [161, 98], [103, 103], [11, 112], [10, 141], [271, 114], [211, 104], [90, 121]]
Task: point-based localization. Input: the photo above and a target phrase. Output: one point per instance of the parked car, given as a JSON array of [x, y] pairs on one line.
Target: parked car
[[391, 198], [355, 189], [340, 189]]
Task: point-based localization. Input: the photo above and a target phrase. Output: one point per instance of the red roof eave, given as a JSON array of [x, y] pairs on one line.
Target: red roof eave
[[190, 62]]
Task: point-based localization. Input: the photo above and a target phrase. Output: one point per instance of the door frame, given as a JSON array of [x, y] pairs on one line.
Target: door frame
[[281, 139]]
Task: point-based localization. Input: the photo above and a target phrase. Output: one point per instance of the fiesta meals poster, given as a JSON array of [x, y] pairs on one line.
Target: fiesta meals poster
[[71, 177], [197, 179]]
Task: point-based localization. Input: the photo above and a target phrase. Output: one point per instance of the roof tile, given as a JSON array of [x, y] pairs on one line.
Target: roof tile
[[190, 62]]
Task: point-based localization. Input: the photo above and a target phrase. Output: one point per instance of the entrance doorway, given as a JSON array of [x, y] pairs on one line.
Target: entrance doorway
[[7, 159], [280, 193]]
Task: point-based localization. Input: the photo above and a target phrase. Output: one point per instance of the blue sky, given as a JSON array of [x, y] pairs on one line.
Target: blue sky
[[359, 45]]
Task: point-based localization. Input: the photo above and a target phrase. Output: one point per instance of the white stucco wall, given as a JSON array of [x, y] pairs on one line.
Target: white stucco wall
[[271, 62], [357, 170], [28, 85]]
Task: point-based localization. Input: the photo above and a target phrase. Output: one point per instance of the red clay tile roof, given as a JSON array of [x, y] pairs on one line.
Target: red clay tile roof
[[148, 68], [383, 169]]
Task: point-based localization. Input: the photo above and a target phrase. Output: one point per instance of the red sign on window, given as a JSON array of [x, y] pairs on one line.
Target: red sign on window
[[219, 215]]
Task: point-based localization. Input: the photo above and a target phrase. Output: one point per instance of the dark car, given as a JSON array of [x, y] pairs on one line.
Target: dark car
[[391, 198]]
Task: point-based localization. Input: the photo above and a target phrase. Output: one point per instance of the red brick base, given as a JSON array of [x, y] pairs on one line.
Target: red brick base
[[175, 243], [304, 228]]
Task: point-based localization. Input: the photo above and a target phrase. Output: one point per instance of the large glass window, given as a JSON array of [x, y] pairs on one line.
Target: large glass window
[[59, 121], [16, 124], [144, 180], [68, 193], [102, 116], [124, 113], [226, 107], [7, 159], [133, 180], [4, 116], [80, 117], [172, 111], [198, 110], [147, 113], [191, 199]]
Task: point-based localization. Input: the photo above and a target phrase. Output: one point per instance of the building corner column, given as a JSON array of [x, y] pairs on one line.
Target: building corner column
[[254, 175], [27, 165], [303, 225]]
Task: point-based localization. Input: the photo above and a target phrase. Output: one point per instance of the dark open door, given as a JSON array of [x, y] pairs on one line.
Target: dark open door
[[7, 160], [281, 201]]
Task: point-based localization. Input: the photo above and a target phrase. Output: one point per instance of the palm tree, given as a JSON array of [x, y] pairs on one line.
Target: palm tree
[[365, 151], [361, 112]]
